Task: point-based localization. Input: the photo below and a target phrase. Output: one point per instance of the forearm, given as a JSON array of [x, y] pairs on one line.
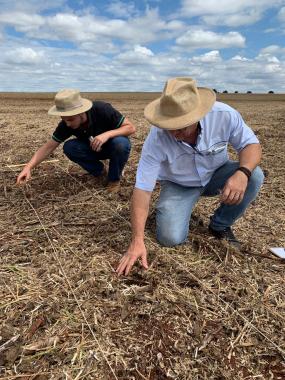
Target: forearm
[[139, 212], [250, 156], [126, 129], [42, 153]]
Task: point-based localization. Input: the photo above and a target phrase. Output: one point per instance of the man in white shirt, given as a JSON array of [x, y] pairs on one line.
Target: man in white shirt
[[186, 150]]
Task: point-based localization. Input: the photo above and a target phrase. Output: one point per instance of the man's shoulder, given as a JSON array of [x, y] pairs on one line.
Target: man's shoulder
[[99, 104], [222, 107], [157, 133], [62, 125]]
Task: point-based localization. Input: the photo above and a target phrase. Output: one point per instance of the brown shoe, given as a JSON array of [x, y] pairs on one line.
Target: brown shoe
[[113, 187], [103, 176]]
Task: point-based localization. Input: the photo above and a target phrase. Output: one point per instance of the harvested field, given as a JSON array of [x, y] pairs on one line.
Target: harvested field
[[201, 311]]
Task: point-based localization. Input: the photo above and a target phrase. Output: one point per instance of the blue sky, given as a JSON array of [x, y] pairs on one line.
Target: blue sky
[[234, 45]]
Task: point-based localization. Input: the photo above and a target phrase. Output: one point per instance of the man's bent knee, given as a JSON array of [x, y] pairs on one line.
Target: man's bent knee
[[121, 145], [73, 148], [257, 178], [170, 239], [69, 147]]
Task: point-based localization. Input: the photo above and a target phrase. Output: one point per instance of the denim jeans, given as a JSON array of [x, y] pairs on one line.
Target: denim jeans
[[117, 150], [175, 204]]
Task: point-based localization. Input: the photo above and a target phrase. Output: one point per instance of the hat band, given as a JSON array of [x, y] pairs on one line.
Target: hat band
[[69, 108]]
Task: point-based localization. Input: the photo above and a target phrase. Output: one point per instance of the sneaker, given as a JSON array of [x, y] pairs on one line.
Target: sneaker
[[226, 234], [113, 187]]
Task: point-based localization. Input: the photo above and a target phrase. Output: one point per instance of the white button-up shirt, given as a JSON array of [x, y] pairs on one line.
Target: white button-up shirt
[[165, 158]]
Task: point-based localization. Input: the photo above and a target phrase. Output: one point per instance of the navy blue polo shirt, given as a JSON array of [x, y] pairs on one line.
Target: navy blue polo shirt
[[102, 117]]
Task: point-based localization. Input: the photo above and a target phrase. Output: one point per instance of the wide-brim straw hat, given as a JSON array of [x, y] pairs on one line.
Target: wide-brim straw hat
[[68, 102], [181, 104]]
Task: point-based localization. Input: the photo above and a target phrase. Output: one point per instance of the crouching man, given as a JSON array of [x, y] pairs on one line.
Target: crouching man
[[100, 131], [186, 150]]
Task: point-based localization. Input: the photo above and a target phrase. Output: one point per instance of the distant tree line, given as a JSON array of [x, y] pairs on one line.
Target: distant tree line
[[236, 92]]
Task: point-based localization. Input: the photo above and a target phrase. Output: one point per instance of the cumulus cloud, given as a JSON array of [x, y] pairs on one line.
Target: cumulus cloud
[[135, 50], [268, 58], [122, 9], [273, 50], [139, 55], [228, 12], [199, 39], [142, 50], [24, 56], [210, 57], [140, 69], [248, 17], [22, 22], [240, 58], [76, 28]]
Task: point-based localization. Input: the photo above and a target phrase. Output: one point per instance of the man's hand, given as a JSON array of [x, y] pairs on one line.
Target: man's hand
[[24, 176], [136, 250], [234, 189], [97, 142]]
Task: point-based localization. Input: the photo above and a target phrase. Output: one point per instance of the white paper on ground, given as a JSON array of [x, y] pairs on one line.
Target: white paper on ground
[[278, 251]]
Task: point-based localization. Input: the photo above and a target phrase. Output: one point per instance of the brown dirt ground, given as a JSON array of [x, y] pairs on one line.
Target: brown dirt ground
[[202, 311]]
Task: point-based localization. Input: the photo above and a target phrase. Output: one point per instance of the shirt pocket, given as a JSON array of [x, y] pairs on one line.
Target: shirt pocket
[[215, 156], [217, 148]]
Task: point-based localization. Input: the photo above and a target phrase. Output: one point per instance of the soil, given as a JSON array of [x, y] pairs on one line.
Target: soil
[[201, 311]]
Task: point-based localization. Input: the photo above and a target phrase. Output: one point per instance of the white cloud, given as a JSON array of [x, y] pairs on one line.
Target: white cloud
[[234, 20], [273, 51], [143, 50], [270, 49], [199, 39], [22, 22], [139, 69], [30, 6], [176, 25], [207, 7], [210, 57], [24, 56], [122, 9], [281, 14], [268, 58], [87, 27], [240, 58], [140, 55], [133, 50], [228, 12]]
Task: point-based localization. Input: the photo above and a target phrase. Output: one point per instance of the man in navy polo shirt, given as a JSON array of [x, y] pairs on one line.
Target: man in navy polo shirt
[[101, 132], [186, 150]]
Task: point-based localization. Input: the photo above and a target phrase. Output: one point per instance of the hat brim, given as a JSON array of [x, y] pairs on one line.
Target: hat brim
[[86, 105], [152, 112]]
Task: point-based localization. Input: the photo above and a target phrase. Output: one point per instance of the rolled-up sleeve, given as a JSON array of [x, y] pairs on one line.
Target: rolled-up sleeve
[[150, 162], [241, 135]]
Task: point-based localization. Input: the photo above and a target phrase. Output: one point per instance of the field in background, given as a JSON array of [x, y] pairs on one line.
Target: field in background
[[202, 310]]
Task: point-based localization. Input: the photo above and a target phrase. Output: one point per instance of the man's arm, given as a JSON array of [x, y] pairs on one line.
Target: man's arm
[[139, 212], [236, 185], [250, 156], [42, 153], [126, 129]]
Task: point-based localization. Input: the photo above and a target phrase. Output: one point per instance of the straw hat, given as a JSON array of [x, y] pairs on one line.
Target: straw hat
[[68, 102], [182, 103]]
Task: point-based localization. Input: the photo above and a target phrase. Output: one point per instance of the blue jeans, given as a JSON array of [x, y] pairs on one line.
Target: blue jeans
[[175, 204], [117, 150]]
